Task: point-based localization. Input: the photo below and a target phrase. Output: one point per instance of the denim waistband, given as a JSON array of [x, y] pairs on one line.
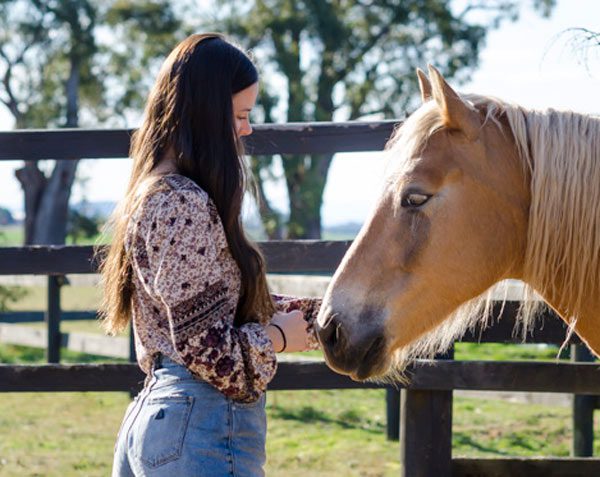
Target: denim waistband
[[165, 367]]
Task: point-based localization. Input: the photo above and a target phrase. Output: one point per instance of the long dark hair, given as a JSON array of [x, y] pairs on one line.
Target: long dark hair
[[189, 115]]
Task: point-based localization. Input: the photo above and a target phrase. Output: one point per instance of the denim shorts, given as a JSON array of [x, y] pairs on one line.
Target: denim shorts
[[179, 426]]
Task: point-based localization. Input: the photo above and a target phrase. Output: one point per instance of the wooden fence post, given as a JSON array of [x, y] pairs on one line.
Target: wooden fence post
[[392, 406], [52, 318], [426, 433], [583, 411]]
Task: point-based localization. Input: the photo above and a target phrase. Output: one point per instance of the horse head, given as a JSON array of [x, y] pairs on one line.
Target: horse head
[[451, 221]]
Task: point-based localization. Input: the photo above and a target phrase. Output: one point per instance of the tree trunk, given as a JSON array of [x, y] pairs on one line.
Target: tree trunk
[[269, 217], [52, 213], [33, 182], [47, 199], [306, 178]]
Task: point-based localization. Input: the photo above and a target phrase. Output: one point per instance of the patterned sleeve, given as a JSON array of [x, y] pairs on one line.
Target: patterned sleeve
[[309, 306], [186, 247]]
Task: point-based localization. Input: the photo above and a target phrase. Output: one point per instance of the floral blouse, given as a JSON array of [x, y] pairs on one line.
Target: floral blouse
[[186, 289]]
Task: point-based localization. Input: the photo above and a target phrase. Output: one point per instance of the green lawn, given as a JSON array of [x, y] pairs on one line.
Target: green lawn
[[11, 235], [72, 298], [315, 433], [311, 433]]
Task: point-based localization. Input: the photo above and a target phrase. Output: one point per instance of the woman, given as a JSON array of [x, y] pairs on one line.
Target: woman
[[206, 327]]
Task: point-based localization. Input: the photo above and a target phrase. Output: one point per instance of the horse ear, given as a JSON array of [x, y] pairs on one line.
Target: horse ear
[[456, 113], [424, 85]]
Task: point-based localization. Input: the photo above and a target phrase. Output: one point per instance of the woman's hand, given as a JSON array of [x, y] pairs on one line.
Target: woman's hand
[[293, 326]]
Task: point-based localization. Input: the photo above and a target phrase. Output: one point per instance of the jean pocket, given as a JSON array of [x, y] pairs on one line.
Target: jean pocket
[[160, 430]]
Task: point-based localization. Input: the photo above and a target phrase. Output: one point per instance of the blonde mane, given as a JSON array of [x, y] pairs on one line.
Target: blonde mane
[[560, 153]]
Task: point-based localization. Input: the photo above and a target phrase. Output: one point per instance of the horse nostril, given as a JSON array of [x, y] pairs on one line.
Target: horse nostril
[[331, 334], [335, 336]]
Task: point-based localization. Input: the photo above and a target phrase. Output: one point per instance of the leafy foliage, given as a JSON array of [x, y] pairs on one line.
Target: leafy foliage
[[80, 225], [344, 60], [72, 63]]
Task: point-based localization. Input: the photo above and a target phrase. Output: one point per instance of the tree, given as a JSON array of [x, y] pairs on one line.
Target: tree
[[67, 62], [6, 217], [582, 41], [81, 226], [347, 59]]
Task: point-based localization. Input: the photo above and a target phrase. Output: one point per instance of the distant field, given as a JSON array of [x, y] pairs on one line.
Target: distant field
[[72, 298], [11, 235]]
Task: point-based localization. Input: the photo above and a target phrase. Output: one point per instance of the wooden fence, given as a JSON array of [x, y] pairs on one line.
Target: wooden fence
[[426, 422]]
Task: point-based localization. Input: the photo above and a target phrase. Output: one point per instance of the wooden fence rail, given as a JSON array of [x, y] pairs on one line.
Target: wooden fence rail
[[267, 139], [426, 426]]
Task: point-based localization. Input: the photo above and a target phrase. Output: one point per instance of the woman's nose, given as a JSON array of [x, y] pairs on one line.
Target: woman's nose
[[245, 130]]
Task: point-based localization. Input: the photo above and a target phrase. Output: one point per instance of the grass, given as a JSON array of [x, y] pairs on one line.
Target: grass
[[14, 354], [316, 433], [73, 298], [11, 235], [506, 352]]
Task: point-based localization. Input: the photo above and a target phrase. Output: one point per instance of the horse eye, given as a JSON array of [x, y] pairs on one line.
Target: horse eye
[[414, 199]]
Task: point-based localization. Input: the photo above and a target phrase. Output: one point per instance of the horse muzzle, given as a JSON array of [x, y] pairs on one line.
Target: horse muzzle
[[361, 354]]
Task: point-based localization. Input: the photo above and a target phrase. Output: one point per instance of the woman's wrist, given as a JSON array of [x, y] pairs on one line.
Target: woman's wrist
[[277, 337]]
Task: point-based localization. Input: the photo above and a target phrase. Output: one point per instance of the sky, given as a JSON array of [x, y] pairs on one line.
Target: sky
[[527, 62]]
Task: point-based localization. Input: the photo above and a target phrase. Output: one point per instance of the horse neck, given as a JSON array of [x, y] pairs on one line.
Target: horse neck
[[563, 251]]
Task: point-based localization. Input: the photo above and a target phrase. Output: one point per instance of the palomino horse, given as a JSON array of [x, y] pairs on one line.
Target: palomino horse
[[481, 191]]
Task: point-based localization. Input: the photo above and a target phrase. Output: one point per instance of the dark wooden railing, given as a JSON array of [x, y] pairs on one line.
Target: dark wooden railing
[[426, 423]]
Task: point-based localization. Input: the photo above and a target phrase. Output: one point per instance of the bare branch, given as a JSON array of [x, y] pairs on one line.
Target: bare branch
[[499, 6]]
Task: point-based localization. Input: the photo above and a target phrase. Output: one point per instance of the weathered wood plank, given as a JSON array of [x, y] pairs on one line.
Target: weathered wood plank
[[525, 466], [426, 433], [282, 256], [583, 407], [52, 318], [319, 138], [47, 260], [439, 375], [531, 376], [392, 408], [267, 139], [75, 377], [38, 316]]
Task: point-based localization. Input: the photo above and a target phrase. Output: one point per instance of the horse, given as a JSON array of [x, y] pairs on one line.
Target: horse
[[481, 191]]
